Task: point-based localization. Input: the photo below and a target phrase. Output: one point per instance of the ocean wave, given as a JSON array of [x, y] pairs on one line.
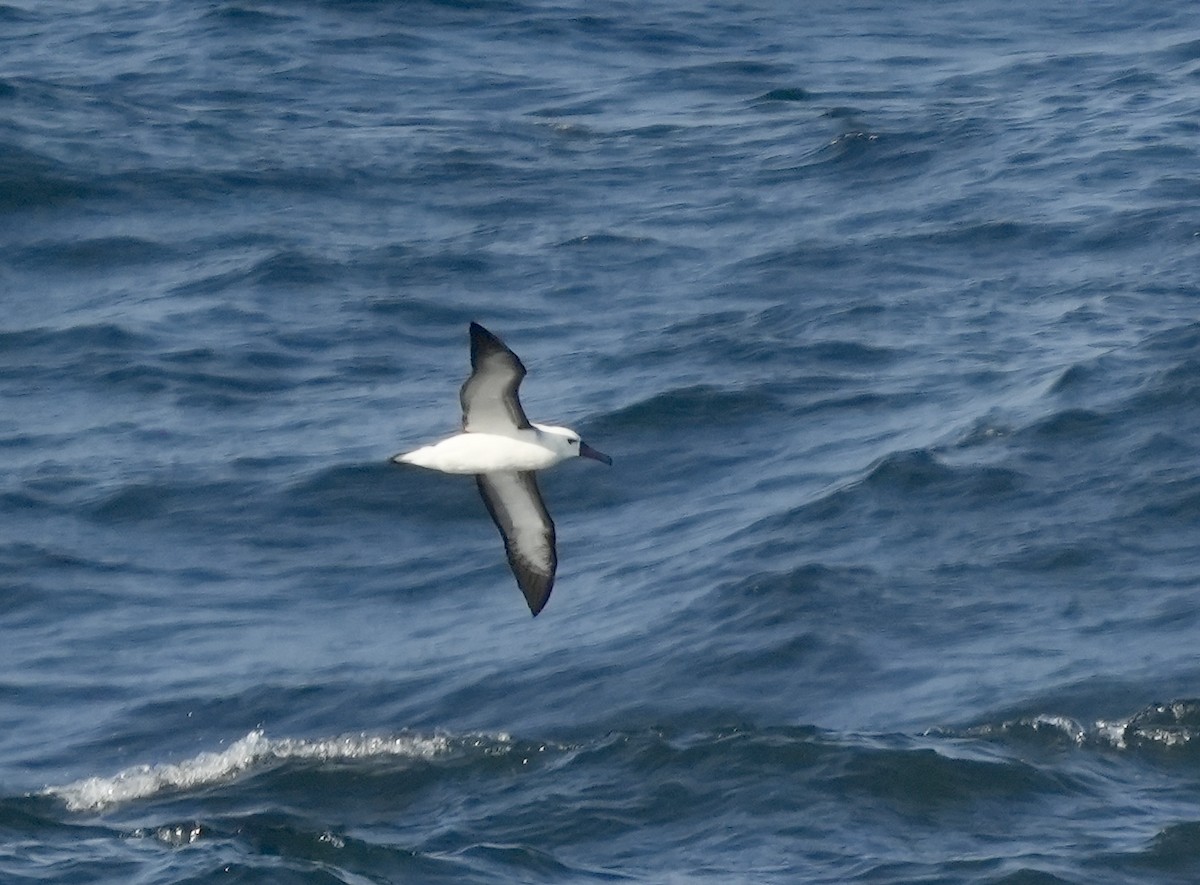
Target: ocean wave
[[81, 353], [1173, 726], [702, 762], [381, 487], [923, 472], [611, 240], [768, 600], [1174, 849], [986, 238], [316, 801], [904, 482], [256, 751], [785, 94], [154, 499], [686, 408], [88, 337], [858, 143], [240, 16], [1176, 501], [719, 77], [14, 14], [924, 777], [769, 337], [685, 773], [294, 267], [1175, 388], [31, 181], [197, 376], [92, 253]]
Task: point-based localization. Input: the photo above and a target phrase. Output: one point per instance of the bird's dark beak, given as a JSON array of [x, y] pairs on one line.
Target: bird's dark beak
[[586, 451]]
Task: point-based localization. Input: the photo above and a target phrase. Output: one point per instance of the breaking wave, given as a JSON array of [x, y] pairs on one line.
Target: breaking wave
[[1173, 725], [256, 751]]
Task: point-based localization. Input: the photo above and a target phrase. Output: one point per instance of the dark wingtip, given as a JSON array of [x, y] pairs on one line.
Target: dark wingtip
[[537, 597], [483, 341], [479, 332]]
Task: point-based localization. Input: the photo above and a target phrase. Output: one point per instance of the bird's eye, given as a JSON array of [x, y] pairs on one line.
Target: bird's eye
[[572, 440]]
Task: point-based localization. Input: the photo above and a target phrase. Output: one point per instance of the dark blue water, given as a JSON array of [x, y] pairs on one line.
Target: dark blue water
[[888, 313]]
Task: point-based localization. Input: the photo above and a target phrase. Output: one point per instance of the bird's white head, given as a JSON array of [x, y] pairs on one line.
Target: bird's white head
[[566, 443]]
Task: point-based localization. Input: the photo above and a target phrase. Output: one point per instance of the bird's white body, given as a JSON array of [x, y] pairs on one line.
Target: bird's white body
[[535, 449]]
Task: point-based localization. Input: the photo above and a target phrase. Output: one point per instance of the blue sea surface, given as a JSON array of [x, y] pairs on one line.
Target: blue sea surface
[[889, 314]]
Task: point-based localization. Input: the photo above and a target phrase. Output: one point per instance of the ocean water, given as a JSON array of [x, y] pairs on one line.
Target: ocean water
[[889, 314]]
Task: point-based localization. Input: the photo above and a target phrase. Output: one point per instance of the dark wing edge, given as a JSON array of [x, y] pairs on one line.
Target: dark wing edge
[[484, 343], [534, 582], [491, 355]]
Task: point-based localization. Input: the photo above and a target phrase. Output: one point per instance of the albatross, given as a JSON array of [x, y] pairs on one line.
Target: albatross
[[503, 449]]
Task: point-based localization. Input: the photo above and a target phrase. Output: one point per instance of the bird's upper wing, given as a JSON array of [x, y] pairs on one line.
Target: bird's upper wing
[[516, 506], [489, 397]]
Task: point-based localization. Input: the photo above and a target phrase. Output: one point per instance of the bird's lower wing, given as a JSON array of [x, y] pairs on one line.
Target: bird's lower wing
[[516, 506]]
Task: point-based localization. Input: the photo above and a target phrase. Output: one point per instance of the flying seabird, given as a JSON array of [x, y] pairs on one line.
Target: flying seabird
[[503, 448]]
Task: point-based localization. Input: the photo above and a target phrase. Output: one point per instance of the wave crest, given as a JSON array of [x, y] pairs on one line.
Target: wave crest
[[1161, 726], [252, 751]]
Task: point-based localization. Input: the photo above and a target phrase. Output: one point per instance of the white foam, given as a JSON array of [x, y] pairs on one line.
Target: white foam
[[1112, 733], [1064, 725], [1042, 723], [96, 793]]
